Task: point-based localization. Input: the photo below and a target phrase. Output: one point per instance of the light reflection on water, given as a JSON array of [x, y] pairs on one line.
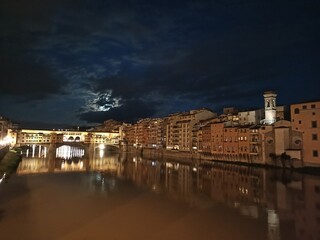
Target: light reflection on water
[[288, 202]]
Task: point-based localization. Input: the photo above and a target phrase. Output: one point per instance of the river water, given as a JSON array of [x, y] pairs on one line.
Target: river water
[[119, 196]]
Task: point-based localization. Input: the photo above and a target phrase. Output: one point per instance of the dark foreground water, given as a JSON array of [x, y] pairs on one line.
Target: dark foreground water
[[124, 197]]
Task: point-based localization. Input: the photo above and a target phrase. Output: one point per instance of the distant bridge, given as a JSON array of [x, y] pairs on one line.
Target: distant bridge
[[22, 137]]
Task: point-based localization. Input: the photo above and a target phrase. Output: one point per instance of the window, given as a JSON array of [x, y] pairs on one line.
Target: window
[[297, 141], [314, 124], [304, 106], [299, 121], [313, 106], [315, 153], [314, 136], [296, 111]]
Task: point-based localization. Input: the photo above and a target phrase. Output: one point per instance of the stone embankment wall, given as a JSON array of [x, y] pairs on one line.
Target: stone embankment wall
[[153, 153], [3, 151]]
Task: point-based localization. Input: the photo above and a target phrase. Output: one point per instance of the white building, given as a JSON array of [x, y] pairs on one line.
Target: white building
[[251, 117], [270, 107]]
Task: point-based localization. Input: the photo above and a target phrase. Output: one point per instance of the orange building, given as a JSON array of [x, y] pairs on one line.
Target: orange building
[[230, 146], [243, 141], [155, 132], [217, 140], [142, 132], [305, 117], [129, 134]]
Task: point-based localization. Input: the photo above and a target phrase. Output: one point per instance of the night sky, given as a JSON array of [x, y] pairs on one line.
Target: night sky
[[85, 61]]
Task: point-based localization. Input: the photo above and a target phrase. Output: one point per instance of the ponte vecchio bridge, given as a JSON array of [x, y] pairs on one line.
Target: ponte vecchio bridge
[[54, 145], [23, 137]]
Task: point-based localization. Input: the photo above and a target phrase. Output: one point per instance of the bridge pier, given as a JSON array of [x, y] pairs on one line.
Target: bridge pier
[[52, 156]]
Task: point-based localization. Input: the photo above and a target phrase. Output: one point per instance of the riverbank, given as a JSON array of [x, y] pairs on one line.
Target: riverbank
[[194, 157], [3, 151], [10, 162]]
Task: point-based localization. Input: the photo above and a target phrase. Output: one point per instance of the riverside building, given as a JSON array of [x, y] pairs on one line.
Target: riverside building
[[180, 126], [305, 117]]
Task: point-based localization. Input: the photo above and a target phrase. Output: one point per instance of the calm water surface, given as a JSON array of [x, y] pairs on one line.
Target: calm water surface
[[112, 196]]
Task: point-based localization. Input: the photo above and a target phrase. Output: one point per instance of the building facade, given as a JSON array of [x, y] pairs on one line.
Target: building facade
[[180, 128], [305, 117], [251, 117], [270, 107], [5, 124]]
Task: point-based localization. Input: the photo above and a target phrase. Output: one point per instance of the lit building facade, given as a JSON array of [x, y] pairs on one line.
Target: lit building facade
[[270, 107], [155, 133], [244, 144], [204, 137], [251, 117], [217, 140], [5, 124], [282, 145], [128, 133], [230, 146], [31, 136], [305, 117], [180, 128]]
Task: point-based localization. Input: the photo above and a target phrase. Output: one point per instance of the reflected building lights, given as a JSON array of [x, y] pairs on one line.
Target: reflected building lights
[[33, 150], [249, 190], [68, 152], [101, 153], [273, 225]]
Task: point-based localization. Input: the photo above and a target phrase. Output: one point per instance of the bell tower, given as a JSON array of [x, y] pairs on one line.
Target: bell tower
[[270, 107]]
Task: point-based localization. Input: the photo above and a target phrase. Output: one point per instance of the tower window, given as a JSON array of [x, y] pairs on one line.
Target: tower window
[[314, 124], [296, 111], [315, 137], [315, 153], [304, 107], [313, 106]]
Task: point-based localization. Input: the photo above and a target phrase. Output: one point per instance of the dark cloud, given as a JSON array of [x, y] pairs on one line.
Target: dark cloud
[[26, 80], [162, 56], [21, 75]]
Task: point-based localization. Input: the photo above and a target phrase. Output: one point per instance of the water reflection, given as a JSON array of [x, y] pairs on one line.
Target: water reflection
[[288, 202], [68, 152]]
